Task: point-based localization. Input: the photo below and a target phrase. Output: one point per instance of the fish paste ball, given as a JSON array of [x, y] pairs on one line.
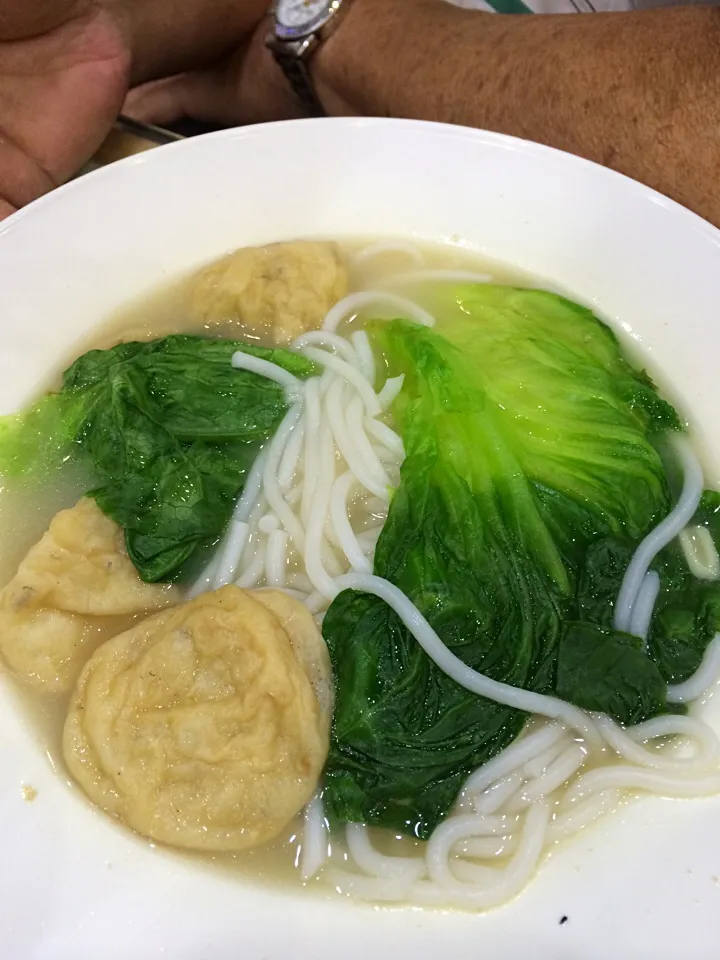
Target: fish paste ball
[[281, 290]]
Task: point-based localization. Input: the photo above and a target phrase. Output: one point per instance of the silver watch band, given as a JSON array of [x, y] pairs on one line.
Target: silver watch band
[[291, 57]]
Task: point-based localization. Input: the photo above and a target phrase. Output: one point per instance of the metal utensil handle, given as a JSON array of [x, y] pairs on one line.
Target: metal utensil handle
[[147, 130]]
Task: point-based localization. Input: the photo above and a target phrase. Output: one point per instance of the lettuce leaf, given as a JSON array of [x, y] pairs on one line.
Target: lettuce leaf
[[533, 446]]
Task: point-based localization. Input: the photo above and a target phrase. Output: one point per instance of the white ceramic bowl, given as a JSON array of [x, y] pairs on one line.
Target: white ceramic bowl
[[644, 883]]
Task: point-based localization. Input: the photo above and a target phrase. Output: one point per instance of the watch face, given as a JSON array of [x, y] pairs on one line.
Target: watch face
[[298, 18]]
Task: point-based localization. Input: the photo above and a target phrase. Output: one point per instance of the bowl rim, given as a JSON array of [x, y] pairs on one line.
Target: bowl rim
[[162, 155]]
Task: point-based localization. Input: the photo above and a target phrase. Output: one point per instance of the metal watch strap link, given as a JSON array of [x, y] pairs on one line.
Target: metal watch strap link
[[290, 56]]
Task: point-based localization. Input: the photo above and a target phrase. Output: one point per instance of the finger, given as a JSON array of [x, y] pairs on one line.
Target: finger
[[199, 96], [160, 101]]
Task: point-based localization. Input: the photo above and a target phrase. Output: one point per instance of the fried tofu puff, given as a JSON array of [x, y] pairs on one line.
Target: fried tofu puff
[[307, 643], [200, 727], [278, 291], [67, 595]]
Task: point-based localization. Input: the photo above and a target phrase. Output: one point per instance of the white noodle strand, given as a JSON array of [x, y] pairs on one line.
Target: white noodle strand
[[560, 770], [627, 777], [707, 754], [323, 582], [383, 247], [312, 433], [497, 794], [324, 338], [582, 815], [483, 848], [371, 463], [342, 526], [276, 558], [504, 882], [291, 457], [702, 680], [347, 442], [204, 581], [458, 671], [387, 438], [363, 351], [241, 514], [252, 488], [644, 605], [538, 765], [350, 373], [268, 524], [380, 300], [271, 486], [314, 849], [660, 537], [375, 863], [231, 553], [390, 391], [700, 553], [264, 368], [251, 576], [512, 757]]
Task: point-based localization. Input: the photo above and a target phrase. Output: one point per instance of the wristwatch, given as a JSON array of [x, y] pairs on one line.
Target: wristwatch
[[299, 26]]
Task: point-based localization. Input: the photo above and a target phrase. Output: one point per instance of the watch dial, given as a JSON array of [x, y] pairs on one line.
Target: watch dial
[[301, 13]]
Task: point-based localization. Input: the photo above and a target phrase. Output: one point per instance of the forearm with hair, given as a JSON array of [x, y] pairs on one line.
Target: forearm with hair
[[639, 92]]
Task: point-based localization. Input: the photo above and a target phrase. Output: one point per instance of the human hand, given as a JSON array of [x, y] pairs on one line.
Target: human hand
[[242, 88], [66, 66], [64, 71]]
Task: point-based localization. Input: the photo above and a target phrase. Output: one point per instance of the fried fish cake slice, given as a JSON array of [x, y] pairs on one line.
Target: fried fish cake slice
[[67, 596], [199, 727], [307, 643]]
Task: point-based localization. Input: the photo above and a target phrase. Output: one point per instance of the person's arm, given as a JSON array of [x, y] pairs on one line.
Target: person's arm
[[639, 92]]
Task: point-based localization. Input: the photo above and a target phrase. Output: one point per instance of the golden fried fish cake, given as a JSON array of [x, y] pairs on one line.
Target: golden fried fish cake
[[67, 595], [199, 727], [307, 643]]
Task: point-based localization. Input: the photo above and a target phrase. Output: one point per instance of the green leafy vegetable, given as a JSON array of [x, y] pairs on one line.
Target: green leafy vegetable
[[687, 610], [610, 672], [35, 443], [686, 616], [170, 429], [533, 470]]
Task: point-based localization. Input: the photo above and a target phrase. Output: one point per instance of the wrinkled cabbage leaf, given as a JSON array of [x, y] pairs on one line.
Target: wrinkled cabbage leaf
[[536, 463], [170, 430]]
